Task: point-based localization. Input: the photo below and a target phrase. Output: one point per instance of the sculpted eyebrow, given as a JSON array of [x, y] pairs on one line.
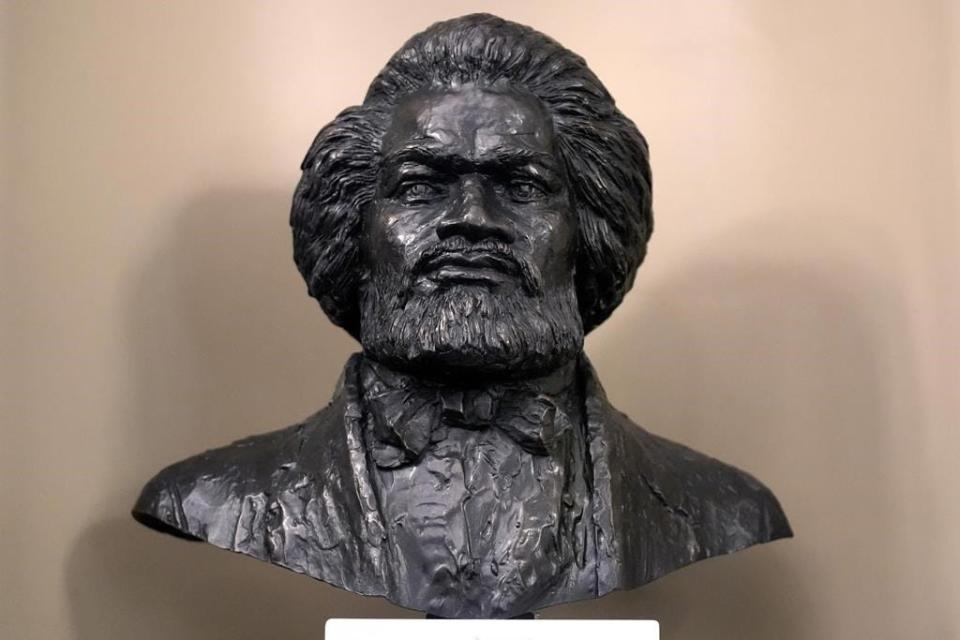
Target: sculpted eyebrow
[[496, 160]]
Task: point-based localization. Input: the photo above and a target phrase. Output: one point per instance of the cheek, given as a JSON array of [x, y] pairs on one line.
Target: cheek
[[378, 238], [555, 242], [394, 236]]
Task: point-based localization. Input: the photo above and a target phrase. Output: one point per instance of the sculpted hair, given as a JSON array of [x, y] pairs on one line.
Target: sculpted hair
[[604, 156]]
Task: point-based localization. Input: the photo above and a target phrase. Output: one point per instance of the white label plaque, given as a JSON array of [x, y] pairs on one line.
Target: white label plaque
[[406, 629]]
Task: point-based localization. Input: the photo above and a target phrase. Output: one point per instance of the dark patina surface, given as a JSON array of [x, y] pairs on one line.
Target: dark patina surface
[[482, 210]]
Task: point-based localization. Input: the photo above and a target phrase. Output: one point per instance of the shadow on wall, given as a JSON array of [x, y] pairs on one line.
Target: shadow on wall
[[786, 360], [768, 367], [223, 342]]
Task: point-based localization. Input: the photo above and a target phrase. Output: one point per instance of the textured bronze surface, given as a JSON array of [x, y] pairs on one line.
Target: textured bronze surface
[[484, 208]]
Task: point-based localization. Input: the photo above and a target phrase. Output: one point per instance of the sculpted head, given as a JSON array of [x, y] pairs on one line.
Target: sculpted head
[[484, 208]]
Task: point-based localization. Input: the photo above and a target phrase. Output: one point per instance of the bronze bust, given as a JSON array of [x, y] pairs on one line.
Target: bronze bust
[[483, 209]]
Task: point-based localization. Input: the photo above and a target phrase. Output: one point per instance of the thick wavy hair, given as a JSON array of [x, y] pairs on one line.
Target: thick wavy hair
[[604, 156]]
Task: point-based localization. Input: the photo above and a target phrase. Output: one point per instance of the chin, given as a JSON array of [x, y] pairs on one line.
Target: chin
[[472, 332], [471, 362]]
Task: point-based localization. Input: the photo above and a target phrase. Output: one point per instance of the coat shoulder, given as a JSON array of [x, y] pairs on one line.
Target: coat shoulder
[[676, 506], [730, 508], [216, 495]]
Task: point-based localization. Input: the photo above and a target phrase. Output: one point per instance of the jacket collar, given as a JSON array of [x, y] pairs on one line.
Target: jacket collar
[[348, 402]]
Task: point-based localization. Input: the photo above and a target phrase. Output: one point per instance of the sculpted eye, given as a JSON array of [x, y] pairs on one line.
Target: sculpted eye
[[525, 191], [419, 192]]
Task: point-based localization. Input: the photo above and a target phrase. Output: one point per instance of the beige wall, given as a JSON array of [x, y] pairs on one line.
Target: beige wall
[[798, 315]]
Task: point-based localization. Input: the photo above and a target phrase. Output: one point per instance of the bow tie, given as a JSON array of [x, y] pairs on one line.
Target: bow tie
[[408, 415]]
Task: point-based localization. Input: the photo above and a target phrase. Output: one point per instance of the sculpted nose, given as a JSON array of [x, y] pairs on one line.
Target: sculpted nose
[[474, 218]]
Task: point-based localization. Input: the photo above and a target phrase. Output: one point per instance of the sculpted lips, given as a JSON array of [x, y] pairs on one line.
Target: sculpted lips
[[470, 266]]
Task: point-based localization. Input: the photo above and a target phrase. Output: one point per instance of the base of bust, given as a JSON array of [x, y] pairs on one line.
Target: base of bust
[[485, 629], [523, 616]]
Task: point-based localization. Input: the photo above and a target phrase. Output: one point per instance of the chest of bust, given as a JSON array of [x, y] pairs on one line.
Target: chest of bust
[[479, 525]]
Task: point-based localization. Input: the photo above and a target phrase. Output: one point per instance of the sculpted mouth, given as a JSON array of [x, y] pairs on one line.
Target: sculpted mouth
[[472, 266], [472, 261]]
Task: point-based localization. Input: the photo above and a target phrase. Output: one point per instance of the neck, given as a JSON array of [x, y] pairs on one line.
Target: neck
[[407, 412]]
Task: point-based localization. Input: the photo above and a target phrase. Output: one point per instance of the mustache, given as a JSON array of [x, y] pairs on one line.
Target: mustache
[[529, 274]]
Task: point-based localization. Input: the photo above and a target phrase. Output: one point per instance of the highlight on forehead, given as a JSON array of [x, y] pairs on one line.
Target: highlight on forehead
[[506, 109], [469, 117]]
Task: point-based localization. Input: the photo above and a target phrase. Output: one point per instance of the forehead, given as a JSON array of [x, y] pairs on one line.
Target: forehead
[[470, 121]]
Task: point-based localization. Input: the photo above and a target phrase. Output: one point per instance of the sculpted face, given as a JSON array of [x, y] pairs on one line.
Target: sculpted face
[[470, 244]]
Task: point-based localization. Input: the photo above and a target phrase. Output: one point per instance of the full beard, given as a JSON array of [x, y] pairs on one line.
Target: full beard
[[469, 330]]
